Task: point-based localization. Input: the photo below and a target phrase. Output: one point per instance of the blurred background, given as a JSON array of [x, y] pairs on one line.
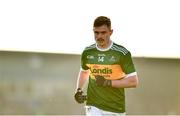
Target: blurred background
[[41, 42], [41, 83]]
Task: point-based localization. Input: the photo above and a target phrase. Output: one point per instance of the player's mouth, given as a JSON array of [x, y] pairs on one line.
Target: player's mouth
[[100, 40]]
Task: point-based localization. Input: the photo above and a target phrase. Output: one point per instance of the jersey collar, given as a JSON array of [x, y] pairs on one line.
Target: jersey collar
[[106, 49]]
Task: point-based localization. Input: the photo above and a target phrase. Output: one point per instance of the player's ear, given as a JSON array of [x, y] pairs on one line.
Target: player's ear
[[111, 31]]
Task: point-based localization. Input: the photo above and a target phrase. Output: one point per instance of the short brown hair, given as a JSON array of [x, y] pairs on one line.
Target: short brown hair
[[102, 20]]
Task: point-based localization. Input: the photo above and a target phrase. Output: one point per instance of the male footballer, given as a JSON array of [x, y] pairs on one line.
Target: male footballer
[[109, 69]]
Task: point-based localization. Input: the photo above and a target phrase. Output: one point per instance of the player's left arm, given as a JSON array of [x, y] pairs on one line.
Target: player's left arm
[[131, 78], [130, 81]]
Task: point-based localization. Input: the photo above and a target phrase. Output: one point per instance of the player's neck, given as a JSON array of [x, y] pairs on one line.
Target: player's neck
[[105, 47]]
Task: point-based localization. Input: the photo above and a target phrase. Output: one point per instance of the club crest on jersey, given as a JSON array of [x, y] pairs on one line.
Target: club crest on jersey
[[100, 59], [112, 59]]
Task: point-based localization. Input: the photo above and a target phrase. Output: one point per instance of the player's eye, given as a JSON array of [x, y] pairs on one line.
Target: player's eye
[[96, 32], [104, 32]]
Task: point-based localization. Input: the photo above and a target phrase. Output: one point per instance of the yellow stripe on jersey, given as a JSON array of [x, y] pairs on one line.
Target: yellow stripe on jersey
[[111, 72]]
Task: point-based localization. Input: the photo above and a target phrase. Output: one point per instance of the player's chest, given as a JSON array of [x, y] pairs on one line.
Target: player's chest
[[102, 58]]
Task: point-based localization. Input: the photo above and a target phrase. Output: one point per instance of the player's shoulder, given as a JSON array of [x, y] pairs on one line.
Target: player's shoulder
[[87, 50], [120, 48], [90, 47]]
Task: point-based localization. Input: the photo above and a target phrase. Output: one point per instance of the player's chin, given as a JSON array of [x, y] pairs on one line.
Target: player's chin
[[100, 43]]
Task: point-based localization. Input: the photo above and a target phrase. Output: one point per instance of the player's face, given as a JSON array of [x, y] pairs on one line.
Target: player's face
[[102, 36]]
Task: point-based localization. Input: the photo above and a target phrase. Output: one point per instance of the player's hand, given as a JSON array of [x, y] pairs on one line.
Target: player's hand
[[79, 97], [101, 81]]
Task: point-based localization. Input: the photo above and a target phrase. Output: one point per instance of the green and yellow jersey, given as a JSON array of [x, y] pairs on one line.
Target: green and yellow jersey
[[113, 63]]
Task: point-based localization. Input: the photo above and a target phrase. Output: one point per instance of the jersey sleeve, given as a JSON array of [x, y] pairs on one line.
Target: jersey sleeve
[[84, 61], [127, 64]]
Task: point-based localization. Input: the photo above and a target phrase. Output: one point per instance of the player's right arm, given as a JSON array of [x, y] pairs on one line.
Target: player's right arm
[[84, 72], [82, 78]]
